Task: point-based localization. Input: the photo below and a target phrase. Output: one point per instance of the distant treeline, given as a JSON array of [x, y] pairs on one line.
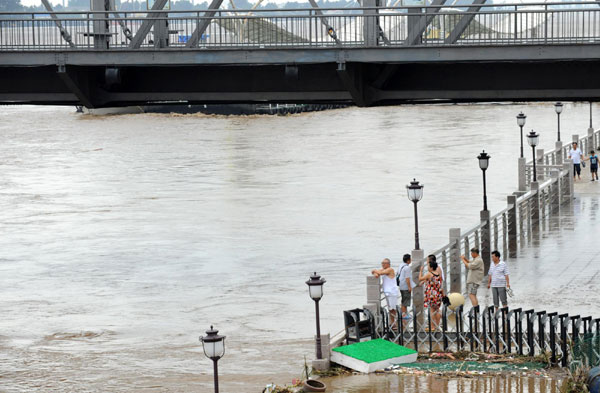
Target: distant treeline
[[176, 5]]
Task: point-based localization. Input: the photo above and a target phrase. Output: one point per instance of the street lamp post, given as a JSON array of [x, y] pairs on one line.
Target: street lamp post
[[315, 290], [415, 193], [521, 122], [214, 349], [532, 139], [484, 160], [558, 107], [591, 114]]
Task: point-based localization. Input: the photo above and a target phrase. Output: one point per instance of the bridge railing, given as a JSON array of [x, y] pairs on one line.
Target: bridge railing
[[506, 24]]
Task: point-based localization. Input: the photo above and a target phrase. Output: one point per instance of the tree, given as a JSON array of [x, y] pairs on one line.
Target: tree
[[11, 5]]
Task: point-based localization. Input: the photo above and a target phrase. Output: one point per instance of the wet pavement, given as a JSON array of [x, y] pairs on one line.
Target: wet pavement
[[559, 268]]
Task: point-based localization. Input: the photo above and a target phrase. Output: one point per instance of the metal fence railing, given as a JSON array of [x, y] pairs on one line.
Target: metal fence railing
[[505, 24], [566, 339]]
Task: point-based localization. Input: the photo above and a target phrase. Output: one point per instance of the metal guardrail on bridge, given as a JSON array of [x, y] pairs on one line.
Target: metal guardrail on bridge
[[490, 25]]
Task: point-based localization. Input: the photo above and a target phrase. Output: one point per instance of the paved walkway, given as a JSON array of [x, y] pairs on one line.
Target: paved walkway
[[559, 270]]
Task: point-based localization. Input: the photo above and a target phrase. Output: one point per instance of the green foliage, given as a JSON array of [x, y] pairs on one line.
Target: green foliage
[[11, 5]]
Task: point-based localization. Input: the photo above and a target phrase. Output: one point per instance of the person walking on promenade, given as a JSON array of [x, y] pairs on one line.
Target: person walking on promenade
[[390, 289], [498, 280], [593, 165], [475, 275], [434, 291], [403, 279], [575, 154]]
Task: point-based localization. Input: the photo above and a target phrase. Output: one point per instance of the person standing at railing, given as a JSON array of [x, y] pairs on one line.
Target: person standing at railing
[[403, 279], [390, 289], [434, 290], [498, 280], [576, 155], [475, 275]]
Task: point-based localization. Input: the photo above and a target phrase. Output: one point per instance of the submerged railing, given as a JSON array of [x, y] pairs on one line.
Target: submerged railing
[[566, 339], [492, 25]]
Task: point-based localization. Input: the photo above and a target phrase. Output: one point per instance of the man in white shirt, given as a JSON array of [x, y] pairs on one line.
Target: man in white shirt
[[498, 280], [389, 287], [575, 154]]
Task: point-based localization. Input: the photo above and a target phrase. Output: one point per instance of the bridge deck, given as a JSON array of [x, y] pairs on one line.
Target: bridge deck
[[369, 56]]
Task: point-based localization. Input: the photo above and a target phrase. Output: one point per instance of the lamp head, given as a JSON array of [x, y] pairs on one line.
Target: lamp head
[[213, 344], [415, 191], [532, 138], [315, 286], [484, 160], [521, 119], [558, 107]]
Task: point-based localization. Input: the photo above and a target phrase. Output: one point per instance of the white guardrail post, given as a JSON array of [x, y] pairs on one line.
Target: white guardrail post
[[540, 162], [522, 175]]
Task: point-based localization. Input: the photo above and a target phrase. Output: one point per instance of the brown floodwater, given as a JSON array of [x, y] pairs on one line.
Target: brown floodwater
[[385, 383]]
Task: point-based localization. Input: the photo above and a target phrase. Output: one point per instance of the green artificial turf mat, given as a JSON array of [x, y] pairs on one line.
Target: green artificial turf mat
[[374, 350]]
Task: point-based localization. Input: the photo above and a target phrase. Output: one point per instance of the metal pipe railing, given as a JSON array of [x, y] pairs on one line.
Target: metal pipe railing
[[491, 25]]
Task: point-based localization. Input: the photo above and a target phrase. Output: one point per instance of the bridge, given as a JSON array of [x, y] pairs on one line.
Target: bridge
[[369, 55]]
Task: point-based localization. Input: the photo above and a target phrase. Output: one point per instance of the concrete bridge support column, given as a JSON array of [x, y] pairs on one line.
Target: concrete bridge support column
[[535, 202], [417, 293], [511, 200], [486, 237], [522, 175], [559, 152], [455, 261], [540, 161]]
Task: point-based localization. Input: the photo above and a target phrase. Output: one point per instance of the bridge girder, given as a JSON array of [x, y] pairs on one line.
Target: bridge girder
[[369, 76]]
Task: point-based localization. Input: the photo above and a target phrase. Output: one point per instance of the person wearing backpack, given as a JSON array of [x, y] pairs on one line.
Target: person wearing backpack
[[403, 280]]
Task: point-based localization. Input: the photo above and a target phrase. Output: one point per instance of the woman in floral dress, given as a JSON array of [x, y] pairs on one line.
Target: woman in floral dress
[[434, 290]]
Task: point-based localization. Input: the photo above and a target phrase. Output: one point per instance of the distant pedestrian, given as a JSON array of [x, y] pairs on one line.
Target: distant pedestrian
[[593, 165], [434, 290], [403, 279], [576, 155], [498, 280], [475, 275], [390, 289]]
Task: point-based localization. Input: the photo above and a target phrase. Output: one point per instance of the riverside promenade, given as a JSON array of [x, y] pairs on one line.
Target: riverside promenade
[[549, 238]]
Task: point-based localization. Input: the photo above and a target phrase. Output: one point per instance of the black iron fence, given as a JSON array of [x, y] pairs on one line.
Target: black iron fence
[[565, 339]]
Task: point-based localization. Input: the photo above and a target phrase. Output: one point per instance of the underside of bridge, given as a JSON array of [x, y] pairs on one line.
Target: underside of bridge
[[393, 78]]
